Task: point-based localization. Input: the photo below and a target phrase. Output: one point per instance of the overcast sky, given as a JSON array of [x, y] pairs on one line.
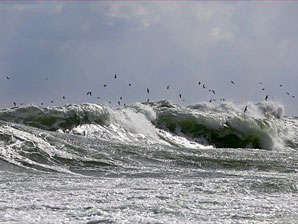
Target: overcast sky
[[79, 46]]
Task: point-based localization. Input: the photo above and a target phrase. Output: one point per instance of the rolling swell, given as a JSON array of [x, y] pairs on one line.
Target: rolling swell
[[54, 118]]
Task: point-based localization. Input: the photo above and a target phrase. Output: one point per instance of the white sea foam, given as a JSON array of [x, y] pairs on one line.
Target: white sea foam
[[261, 125]]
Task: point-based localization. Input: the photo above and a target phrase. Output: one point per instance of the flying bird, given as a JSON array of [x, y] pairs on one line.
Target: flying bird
[[232, 82], [115, 76], [199, 83], [245, 109], [129, 84], [168, 87], [148, 91], [266, 98], [105, 85], [210, 101], [7, 77], [180, 95]]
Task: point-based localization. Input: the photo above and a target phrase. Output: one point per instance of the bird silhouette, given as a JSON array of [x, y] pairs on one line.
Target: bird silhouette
[[148, 90], [266, 98], [245, 109]]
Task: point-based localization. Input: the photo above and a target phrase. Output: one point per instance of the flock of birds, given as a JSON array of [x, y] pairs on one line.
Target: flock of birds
[[90, 93]]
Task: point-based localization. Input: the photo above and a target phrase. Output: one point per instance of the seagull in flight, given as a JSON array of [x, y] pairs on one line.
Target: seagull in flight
[[245, 109]]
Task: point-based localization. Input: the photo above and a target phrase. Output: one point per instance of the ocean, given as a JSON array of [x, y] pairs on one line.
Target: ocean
[[155, 162]]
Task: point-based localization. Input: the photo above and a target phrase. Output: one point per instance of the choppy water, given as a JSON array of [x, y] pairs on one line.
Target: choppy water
[[148, 163]]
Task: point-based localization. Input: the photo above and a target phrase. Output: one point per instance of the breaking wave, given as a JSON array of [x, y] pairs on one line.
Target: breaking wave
[[223, 126], [68, 134]]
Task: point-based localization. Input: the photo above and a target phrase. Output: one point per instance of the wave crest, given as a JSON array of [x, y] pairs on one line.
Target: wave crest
[[162, 122]]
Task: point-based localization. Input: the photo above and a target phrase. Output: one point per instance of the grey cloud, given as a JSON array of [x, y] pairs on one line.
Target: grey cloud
[[80, 46]]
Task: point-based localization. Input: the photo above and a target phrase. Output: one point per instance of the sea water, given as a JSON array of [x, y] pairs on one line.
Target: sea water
[[148, 163]]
